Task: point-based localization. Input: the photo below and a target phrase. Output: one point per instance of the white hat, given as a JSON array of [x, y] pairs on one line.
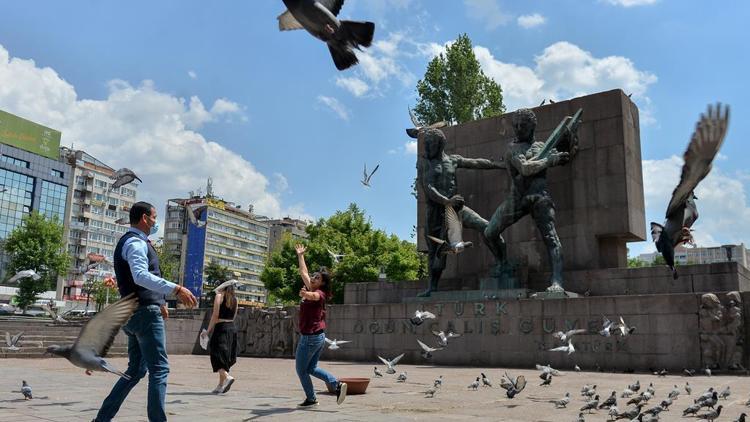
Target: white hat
[[226, 284]]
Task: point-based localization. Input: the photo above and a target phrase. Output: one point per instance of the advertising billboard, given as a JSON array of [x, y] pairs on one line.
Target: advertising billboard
[[29, 136], [196, 249]]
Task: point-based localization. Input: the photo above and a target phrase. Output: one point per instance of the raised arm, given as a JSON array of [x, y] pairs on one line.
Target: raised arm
[[530, 167], [300, 249], [477, 163]]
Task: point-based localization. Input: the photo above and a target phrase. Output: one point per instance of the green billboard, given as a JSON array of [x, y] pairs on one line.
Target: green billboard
[[29, 136]]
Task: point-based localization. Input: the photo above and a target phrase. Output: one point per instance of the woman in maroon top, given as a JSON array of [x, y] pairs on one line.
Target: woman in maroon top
[[312, 325]]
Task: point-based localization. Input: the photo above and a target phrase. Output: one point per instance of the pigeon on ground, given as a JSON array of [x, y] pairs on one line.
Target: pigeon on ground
[[682, 211], [705, 395], [419, 126], [651, 389], [565, 335], [624, 329], [666, 403], [577, 368], [391, 364], [337, 257], [12, 342], [430, 393], [674, 393], [377, 372], [427, 350], [692, 409], [366, 178], [569, 349], [611, 401], [318, 17], [613, 412], [630, 413], [420, 317], [26, 390], [580, 418], [607, 325], [96, 337], [725, 393], [709, 402], [24, 274], [589, 393], [586, 389], [591, 405], [708, 372], [474, 385], [563, 402], [635, 386], [546, 380], [626, 393], [401, 377], [194, 213], [485, 381], [741, 418], [442, 337], [711, 415], [438, 382], [663, 373], [334, 344], [512, 386], [454, 227], [654, 410], [688, 388], [122, 177]]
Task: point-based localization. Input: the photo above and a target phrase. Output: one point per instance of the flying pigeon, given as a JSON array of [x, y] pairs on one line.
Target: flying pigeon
[[564, 336], [12, 342], [569, 348], [413, 132], [366, 178], [625, 330], [122, 177], [318, 17], [390, 364], [442, 337], [606, 327], [549, 369], [194, 213], [24, 274], [96, 337], [421, 316], [54, 315], [682, 211], [26, 390], [123, 221], [546, 379], [512, 386], [474, 385], [334, 344], [454, 227], [427, 350], [377, 372], [401, 377]]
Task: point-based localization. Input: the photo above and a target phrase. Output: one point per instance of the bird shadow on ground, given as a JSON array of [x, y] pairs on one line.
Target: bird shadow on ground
[[68, 403], [176, 402], [20, 400], [279, 410], [192, 393]]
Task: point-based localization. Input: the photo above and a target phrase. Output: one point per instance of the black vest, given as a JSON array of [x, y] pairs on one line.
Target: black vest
[[125, 282]]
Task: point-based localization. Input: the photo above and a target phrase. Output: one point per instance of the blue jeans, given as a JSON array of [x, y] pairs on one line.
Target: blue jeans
[[147, 351], [308, 353]]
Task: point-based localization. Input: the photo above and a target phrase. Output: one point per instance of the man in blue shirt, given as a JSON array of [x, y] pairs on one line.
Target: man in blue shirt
[[137, 270]]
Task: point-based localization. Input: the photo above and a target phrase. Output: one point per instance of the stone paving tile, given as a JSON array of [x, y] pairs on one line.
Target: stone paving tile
[[268, 389]]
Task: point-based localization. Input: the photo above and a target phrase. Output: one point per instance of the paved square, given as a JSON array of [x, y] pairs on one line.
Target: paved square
[[268, 389]]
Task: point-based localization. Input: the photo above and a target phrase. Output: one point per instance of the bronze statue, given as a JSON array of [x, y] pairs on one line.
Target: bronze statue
[[437, 176], [527, 162]]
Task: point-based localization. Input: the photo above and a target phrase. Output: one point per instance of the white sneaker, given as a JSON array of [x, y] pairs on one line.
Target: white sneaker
[[227, 384], [219, 388]]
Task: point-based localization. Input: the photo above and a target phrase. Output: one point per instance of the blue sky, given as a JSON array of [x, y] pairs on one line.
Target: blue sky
[[183, 90]]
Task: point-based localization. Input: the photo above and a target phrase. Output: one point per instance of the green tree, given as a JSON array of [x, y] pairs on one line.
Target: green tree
[[37, 244], [215, 275], [636, 263], [659, 260], [455, 89], [168, 263], [366, 252], [103, 294]]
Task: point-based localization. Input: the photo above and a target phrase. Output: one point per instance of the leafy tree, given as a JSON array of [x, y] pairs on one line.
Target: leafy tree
[[38, 245], [636, 263], [659, 260], [168, 263], [455, 89], [366, 252], [215, 275], [102, 293]]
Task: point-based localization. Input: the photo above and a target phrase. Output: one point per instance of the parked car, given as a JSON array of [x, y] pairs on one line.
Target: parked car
[[33, 310], [7, 309]]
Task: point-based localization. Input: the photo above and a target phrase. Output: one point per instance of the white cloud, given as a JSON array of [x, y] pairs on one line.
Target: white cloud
[[192, 74], [722, 201], [335, 106], [152, 132], [631, 3], [488, 12], [356, 86], [531, 21], [564, 70], [280, 183], [410, 147]]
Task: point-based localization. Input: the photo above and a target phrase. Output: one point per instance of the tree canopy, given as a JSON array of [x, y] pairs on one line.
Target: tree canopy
[[366, 252]]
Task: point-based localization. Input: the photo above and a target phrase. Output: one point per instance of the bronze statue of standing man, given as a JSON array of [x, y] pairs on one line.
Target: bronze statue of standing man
[[528, 188], [437, 176]]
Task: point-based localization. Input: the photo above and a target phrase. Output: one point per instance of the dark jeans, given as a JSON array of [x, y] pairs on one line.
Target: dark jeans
[[147, 351], [308, 353]]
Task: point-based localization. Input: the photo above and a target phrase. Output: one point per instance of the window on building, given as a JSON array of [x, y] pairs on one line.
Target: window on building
[[53, 199], [15, 201], [57, 173], [101, 184], [14, 161]]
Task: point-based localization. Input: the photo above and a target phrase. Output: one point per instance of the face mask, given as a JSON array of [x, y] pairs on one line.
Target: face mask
[[154, 229]]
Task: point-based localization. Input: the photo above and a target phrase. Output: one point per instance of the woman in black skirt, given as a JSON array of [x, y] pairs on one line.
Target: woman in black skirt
[[223, 343]]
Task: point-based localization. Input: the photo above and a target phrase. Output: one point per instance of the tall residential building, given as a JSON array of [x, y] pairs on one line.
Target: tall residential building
[[224, 234], [296, 228], [685, 256], [93, 212], [32, 176]]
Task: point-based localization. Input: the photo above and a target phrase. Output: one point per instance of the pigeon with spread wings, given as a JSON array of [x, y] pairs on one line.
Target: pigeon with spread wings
[[366, 177], [454, 226], [122, 177], [682, 212], [512, 386], [318, 17], [97, 336], [413, 132]]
